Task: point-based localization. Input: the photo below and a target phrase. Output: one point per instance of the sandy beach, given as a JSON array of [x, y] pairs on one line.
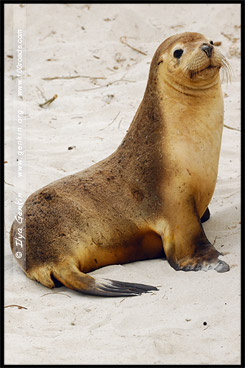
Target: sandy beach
[[96, 59]]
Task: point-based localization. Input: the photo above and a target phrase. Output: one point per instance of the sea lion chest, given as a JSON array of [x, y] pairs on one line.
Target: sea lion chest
[[191, 144]]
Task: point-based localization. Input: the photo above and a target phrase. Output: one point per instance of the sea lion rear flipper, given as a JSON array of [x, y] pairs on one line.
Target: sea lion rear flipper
[[120, 288], [70, 276], [205, 216]]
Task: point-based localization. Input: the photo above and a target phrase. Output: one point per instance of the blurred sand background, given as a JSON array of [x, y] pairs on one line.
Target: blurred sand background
[[101, 81]]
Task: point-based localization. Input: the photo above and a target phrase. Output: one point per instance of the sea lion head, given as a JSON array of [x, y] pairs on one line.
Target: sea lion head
[[190, 59]]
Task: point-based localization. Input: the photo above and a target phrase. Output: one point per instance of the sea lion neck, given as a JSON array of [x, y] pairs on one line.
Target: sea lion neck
[[170, 87], [139, 157], [146, 127], [147, 122]]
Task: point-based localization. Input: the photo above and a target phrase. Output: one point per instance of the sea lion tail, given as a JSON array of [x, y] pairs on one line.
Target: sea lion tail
[[73, 278]]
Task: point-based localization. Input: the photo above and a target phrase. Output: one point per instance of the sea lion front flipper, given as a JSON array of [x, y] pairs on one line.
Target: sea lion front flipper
[[204, 257], [205, 216], [70, 276], [190, 250], [222, 266]]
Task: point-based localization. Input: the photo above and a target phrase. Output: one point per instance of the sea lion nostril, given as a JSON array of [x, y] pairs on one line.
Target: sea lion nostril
[[207, 49]]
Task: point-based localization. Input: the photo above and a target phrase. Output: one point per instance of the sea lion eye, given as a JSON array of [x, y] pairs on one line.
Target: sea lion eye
[[178, 53], [211, 42]]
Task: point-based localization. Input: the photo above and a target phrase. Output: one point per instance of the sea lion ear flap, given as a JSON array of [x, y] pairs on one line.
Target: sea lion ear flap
[[217, 43], [160, 61]]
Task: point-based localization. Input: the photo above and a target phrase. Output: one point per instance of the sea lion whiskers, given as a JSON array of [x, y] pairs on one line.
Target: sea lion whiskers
[[199, 63], [226, 69]]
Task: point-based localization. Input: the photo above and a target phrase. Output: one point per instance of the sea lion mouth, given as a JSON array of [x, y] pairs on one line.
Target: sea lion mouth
[[197, 72], [217, 62]]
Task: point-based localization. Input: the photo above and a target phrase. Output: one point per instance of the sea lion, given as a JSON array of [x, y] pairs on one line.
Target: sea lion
[[146, 198]]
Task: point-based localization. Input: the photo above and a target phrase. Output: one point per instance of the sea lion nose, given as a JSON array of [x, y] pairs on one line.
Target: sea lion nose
[[207, 49]]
